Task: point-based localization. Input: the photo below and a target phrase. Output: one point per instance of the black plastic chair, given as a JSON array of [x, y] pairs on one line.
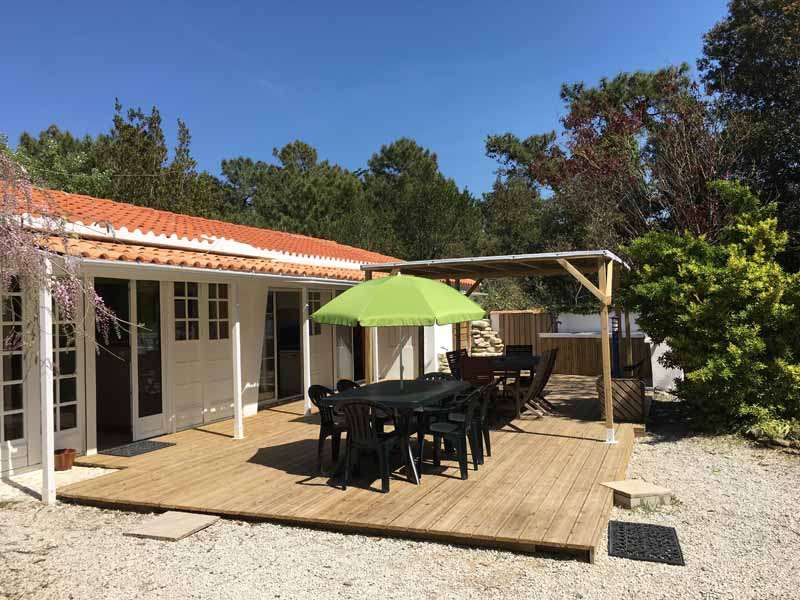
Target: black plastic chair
[[330, 424], [480, 421], [365, 420], [454, 359], [459, 433], [345, 384], [437, 376]]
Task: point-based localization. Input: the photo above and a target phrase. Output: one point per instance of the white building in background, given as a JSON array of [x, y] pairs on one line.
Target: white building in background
[[225, 330]]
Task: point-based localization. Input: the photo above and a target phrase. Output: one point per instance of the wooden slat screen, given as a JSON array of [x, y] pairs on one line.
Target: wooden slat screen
[[523, 326], [581, 356]]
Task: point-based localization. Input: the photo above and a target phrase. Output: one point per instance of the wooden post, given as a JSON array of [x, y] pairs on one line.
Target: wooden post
[[236, 351], [605, 348], [46, 387], [369, 367]]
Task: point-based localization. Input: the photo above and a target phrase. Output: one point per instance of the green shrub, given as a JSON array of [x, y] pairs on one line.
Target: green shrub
[[727, 310]]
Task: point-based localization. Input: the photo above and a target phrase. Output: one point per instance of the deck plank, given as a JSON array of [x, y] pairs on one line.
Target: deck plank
[[540, 488]]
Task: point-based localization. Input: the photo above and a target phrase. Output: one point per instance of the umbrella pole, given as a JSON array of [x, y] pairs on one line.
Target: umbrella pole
[[402, 347]]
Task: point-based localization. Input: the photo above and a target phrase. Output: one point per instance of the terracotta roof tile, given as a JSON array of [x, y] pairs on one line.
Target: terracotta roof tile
[[113, 251], [96, 211]]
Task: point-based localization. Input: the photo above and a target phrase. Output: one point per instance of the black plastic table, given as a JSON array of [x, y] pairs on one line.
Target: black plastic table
[[516, 362], [404, 398]]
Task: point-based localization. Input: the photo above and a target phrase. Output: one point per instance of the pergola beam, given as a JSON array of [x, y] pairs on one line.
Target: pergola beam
[[604, 296], [473, 287], [581, 265]]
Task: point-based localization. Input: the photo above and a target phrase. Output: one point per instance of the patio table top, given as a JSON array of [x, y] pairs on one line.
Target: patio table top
[[516, 362], [410, 396]]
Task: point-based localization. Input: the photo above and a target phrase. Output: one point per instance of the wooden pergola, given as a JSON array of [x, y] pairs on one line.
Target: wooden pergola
[[581, 265]]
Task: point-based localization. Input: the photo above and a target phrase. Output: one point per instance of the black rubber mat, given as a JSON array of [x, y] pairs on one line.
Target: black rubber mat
[[642, 541], [136, 448]]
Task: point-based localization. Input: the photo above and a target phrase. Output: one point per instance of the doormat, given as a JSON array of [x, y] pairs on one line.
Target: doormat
[[642, 541], [136, 448]]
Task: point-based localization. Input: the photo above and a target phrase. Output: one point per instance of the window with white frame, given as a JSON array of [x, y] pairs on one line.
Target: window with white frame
[[12, 415], [187, 311], [218, 311], [314, 304], [65, 373]]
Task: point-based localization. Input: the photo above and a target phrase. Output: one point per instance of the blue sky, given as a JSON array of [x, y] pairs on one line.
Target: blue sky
[[343, 76]]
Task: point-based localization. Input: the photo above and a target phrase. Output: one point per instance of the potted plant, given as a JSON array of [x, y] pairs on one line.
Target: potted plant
[[64, 459]]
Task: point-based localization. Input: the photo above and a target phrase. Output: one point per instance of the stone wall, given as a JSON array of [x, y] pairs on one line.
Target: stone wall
[[485, 342]]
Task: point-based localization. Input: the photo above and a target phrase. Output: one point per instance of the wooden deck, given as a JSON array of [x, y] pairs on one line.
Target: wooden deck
[[539, 490]]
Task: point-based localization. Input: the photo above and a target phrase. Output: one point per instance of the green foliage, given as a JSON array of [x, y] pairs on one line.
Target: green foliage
[[728, 310], [420, 213], [751, 62], [58, 160], [304, 195], [130, 164]]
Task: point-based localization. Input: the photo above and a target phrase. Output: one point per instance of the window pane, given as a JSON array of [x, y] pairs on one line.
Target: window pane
[[12, 308], [191, 289], [14, 286], [67, 389], [192, 308], [69, 417], [149, 348], [180, 288], [212, 330], [12, 397], [180, 309], [180, 330], [66, 336], [66, 363], [193, 330], [212, 290], [12, 337], [223, 330], [223, 290], [13, 427], [212, 310], [12, 367], [223, 310]]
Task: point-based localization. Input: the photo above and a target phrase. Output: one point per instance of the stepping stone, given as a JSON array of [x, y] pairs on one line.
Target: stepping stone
[[172, 526], [630, 493]]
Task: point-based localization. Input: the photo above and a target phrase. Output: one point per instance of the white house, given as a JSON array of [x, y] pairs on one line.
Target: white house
[[224, 330]]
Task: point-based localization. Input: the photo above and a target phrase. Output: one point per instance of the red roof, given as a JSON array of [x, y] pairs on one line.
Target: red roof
[[95, 211], [126, 252]]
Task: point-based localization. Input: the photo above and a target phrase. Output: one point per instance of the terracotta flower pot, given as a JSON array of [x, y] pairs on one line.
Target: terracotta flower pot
[[64, 459]]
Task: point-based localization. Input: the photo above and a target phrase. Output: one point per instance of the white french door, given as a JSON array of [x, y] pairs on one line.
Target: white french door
[[147, 358]]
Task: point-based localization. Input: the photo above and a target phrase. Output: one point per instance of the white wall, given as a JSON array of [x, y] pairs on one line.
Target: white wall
[[663, 378], [575, 323], [391, 341], [438, 340]]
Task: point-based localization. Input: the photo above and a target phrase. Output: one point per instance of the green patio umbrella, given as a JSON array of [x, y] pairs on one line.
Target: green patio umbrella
[[399, 300]]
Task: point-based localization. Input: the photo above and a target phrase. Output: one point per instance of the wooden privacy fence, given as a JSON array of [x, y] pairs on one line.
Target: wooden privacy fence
[[576, 356], [523, 326], [582, 356]]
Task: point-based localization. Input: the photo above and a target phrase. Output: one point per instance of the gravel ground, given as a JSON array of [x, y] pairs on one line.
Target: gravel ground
[[736, 514]]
